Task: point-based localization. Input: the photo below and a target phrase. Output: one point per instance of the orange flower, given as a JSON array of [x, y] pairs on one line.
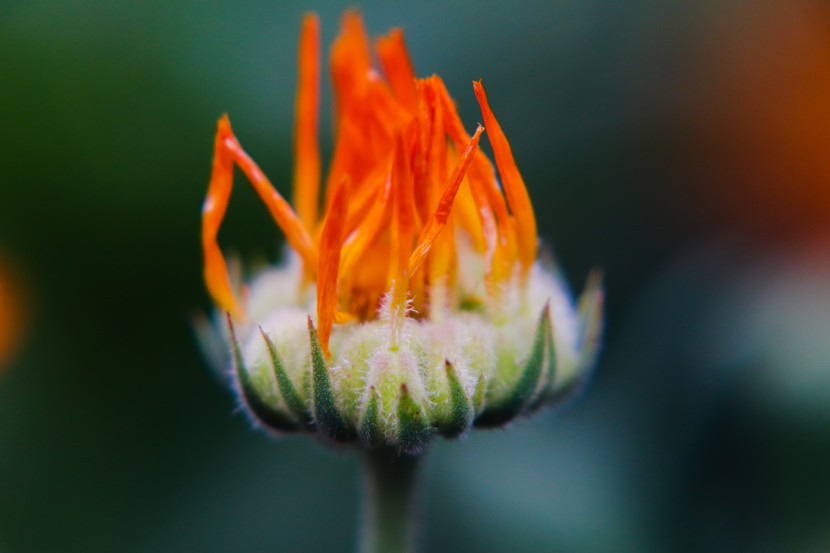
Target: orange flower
[[432, 314], [406, 184]]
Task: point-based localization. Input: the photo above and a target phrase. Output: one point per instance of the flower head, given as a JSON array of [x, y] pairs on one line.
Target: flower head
[[412, 302]]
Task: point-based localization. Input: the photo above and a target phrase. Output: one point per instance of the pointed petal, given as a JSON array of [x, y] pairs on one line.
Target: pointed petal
[[350, 62], [514, 186], [482, 178], [214, 207], [395, 61], [442, 212]]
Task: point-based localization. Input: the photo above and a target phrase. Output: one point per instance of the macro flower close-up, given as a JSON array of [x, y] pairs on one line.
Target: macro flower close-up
[[398, 277], [412, 302]]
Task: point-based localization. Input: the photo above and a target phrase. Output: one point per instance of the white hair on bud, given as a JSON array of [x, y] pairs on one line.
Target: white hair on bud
[[479, 343]]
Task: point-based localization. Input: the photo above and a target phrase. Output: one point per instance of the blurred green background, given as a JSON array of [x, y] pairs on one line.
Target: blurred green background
[[682, 146]]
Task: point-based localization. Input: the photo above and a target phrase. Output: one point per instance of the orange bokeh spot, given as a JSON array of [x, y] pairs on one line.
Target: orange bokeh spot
[[14, 315]]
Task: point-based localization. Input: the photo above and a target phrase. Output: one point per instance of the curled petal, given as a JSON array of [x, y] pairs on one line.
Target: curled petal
[[514, 185], [227, 151], [442, 213]]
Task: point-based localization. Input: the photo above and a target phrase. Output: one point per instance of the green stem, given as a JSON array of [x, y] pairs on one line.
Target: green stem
[[391, 503]]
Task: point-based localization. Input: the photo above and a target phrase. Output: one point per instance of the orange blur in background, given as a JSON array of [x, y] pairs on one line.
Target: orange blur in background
[[13, 313], [757, 122]]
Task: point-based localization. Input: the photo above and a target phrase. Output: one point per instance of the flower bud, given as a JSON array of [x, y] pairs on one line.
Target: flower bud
[[413, 306], [441, 377]]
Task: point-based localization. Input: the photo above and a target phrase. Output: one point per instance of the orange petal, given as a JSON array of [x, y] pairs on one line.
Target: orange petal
[[504, 261], [482, 178], [442, 212], [468, 218], [331, 244], [442, 263], [350, 62], [306, 147], [348, 139], [295, 233], [489, 221], [362, 196], [213, 211], [437, 149], [514, 186], [343, 317], [362, 238], [421, 170], [365, 137], [403, 220], [395, 61]]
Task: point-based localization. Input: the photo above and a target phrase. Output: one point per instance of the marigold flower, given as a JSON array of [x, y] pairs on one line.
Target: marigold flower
[[412, 302]]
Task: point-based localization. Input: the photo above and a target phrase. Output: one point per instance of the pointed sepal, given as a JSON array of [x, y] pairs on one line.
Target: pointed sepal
[[591, 304], [295, 402], [328, 418], [461, 412], [371, 430], [590, 309], [257, 408], [505, 410], [479, 395], [550, 371], [413, 427]]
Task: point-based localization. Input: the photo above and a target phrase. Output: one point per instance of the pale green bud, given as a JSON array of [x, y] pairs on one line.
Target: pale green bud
[[397, 384]]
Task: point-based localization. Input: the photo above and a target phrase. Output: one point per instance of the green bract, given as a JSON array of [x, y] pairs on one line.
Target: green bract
[[469, 369]]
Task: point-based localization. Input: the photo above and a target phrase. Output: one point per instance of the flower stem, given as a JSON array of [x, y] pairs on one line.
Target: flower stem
[[391, 502]]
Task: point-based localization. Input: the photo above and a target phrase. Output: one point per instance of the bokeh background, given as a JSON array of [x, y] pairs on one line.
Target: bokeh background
[[683, 146]]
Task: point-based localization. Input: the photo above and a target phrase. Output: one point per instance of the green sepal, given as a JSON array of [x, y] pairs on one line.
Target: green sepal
[[590, 323], [499, 413], [258, 410], [328, 418], [479, 394], [550, 371], [460, 409], [371, 433], [295, 402], [413, 427]]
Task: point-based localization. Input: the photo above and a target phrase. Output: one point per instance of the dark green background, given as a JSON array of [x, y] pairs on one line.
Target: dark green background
[[678, 145]]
